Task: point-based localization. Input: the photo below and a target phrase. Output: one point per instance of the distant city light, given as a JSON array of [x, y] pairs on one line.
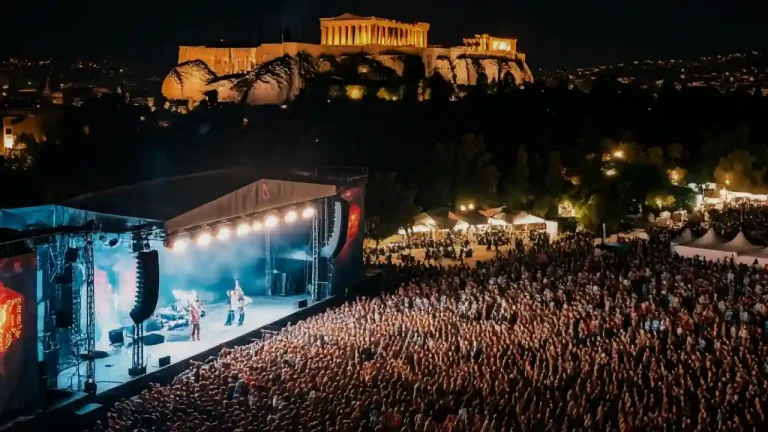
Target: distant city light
[[308, 212], [618, 154], [611, 172], [291, 216]]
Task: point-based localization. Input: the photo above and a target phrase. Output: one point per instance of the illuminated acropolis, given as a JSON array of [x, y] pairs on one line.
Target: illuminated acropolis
[[351, 29], [384, 40]]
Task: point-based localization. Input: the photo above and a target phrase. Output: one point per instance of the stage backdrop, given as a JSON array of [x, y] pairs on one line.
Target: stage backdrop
[[19, 388], [348, 265]]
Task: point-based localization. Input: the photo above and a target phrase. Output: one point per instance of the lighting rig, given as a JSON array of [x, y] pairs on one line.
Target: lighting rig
[[265, 223]]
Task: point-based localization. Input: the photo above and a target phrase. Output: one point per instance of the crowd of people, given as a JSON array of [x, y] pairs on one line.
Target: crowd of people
[[556, 336]]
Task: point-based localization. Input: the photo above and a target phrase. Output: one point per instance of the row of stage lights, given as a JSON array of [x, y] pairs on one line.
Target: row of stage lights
[[224, 232]]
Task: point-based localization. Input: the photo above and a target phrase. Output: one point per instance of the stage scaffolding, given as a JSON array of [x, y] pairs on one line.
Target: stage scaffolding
[[315, 256]]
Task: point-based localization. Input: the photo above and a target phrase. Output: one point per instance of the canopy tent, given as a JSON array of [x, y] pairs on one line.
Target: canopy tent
[[739, 244], [684, 237], [705, 246], [471, 218], [491, 212], [439, 218], [524, 218], [749, 258], [190, 201]]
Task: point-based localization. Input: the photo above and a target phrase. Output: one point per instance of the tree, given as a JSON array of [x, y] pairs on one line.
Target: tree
[[656, 155], [459, 172], [554, 178], [276, 70], [675, 151], [737, 172], [441, 90], [389, 206]]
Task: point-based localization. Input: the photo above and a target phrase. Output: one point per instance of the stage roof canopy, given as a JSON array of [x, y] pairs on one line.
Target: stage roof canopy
[[178, 202]]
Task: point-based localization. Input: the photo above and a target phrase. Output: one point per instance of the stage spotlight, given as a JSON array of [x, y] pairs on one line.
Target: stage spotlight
[[256, 226], [224, 233], [243, 229], [270, 222], [179, 245], [308, 212], [204, 239], [291, 216]]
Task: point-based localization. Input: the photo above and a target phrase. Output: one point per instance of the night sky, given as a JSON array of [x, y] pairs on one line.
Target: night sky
[[552, 33]]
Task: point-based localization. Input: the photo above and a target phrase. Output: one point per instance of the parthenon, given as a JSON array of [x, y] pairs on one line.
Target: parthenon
[[351, 29]]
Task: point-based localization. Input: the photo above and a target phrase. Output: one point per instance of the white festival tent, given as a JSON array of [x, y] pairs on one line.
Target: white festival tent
[[685, 237], [748, 258], [524, 218], [711, 246], [704, 246]]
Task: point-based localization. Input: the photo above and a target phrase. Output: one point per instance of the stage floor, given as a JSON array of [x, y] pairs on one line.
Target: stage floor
[[113, 370]]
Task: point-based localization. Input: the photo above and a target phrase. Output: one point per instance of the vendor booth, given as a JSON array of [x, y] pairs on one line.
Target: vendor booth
[[523, 223]]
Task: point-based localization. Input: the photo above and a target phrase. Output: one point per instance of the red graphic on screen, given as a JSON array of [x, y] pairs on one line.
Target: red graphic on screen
[[11, 305], [353, 224]]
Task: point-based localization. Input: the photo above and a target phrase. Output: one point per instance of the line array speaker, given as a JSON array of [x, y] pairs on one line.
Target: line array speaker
[[147, 285]]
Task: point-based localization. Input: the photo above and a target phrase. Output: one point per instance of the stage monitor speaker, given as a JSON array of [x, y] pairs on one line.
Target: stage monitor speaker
[[147, 285], [301, 304], [153, 339], [64, 310], [116, 337], [339, 231], [164, 361]]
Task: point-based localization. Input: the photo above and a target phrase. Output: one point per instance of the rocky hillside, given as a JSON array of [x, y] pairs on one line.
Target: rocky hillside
[[280, 80]]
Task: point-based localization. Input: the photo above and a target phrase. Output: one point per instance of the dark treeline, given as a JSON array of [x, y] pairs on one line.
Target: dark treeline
[[513, 141]]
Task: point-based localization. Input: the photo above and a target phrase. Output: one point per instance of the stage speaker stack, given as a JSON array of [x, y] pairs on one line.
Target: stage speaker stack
[[64, 280], [338, 235], [301, 304], [147, 285], [164, 361]]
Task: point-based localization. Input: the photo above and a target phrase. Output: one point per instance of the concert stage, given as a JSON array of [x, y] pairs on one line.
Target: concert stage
[[112, 371], [109, 268]]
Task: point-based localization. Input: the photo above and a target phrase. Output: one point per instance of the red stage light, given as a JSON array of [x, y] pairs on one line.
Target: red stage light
[[11, 305], [353, 223]]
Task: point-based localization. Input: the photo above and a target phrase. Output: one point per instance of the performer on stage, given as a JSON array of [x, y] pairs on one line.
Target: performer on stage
[[194, 319], [239, 296], [231, 304]]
